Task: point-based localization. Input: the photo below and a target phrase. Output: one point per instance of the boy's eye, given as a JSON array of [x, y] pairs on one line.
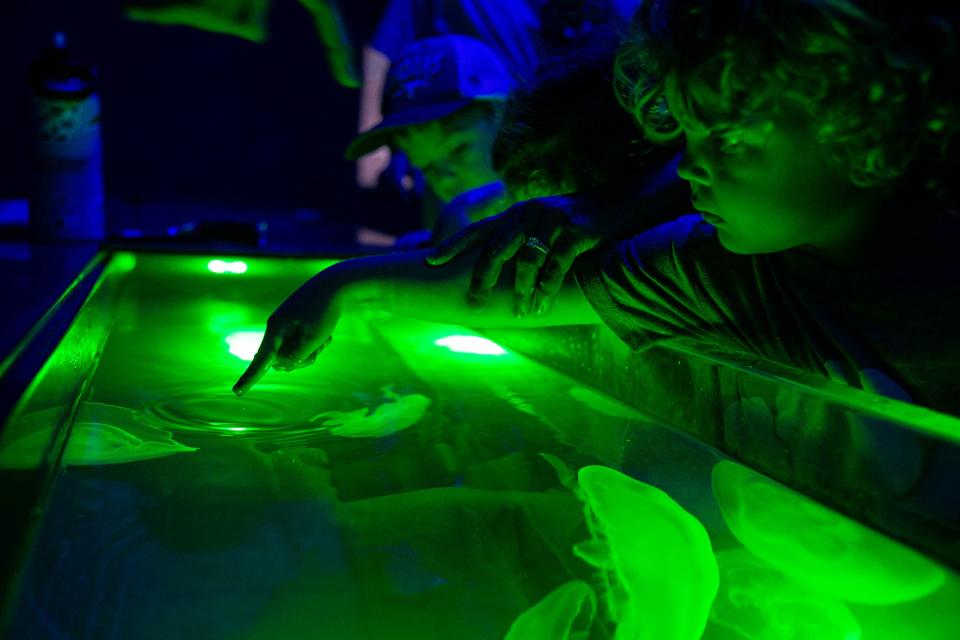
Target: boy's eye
[[735, 141], [728, 144]]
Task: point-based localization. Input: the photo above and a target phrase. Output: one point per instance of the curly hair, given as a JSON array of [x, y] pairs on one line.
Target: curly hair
[[566, 132], [878, 89]]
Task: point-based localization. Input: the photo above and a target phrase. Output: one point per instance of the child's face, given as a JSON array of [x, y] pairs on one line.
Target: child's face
[[769, 186], [454, 154]]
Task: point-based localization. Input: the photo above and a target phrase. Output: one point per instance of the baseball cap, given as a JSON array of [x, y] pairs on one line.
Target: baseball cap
[[433, 78]]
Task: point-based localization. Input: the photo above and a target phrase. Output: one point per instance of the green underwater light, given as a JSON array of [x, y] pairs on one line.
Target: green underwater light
[[471, 344], [244, 344], [224, 266]]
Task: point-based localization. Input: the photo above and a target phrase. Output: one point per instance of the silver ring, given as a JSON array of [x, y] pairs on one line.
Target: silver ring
[[538, 244]]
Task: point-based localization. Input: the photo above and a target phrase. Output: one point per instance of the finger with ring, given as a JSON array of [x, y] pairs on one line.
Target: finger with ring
[[537, 244]]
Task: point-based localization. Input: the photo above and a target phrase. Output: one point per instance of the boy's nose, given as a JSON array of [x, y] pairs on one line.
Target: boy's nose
[[691, 170]]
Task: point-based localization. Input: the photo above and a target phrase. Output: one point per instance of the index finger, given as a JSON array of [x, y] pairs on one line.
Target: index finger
[[266, 355]]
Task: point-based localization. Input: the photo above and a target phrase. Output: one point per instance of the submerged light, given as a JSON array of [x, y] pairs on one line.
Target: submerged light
[[244, 344], [224, 266], [471, 344]]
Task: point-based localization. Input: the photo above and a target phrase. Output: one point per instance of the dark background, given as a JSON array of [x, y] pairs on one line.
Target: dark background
[[190, 116]]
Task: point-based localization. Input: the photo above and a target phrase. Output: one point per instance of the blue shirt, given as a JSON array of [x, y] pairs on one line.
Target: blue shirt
[[509, 27]]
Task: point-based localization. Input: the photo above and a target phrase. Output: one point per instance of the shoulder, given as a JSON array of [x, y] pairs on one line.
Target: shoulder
[[681, 240], [479, 200]]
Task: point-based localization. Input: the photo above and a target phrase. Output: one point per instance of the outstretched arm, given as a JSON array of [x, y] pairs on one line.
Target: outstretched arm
[[401, 283]]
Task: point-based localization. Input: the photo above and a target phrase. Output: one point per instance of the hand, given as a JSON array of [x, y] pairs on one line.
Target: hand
[[297, 331], [555, 220]]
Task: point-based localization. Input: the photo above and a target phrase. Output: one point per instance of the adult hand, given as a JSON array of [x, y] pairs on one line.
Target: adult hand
[[296, 332], [545, 235]]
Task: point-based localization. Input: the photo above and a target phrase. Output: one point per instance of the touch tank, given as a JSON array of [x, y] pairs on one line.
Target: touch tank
[[424, 481]]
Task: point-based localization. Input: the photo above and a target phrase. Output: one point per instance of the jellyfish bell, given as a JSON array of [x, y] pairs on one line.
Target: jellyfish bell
[[566, 613], [660, 565], [757, 602], [817, 546]]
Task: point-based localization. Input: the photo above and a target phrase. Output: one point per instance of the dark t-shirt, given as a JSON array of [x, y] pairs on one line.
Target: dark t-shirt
[[891, 329]]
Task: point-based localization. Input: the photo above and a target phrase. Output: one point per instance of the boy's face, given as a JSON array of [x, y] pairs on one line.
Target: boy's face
[[454, 153], [769, 186]]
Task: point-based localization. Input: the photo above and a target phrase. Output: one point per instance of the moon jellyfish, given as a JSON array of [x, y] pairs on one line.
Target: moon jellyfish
[[759, 603], [399, 413], [101, 434], [817, 546], [566, 613], [660, 575]]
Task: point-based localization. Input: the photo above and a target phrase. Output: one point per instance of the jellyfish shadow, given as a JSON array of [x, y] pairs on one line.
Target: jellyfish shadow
[[817, 546], [757, 602]]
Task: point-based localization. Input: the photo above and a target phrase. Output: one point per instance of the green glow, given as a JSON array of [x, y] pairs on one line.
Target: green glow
[[396, 415], [206, 16], [123, 262], [759, 603], [657, 560], [287, 272], [224, 317], [822, 549], [471, 344], [418, 574], [565, 613], [223, 266], [244, 344]]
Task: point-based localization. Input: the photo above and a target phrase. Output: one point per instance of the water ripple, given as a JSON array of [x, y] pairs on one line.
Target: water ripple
[[276, 413]]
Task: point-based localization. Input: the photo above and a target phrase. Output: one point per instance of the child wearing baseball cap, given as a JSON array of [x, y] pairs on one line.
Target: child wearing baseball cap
[[440, 109]]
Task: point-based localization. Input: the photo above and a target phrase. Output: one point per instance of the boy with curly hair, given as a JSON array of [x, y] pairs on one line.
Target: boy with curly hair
[[819, 144]]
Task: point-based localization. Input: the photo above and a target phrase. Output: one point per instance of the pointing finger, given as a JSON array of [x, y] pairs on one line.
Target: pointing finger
[[266, 355]]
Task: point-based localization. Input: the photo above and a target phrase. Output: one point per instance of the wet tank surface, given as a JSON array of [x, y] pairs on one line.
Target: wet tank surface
[[419, 481]]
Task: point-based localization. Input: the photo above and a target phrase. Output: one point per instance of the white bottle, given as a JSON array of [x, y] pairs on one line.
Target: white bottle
[[66, 188]]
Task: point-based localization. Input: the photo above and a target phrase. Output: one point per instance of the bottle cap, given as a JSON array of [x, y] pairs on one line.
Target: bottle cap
[[56, 74]]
